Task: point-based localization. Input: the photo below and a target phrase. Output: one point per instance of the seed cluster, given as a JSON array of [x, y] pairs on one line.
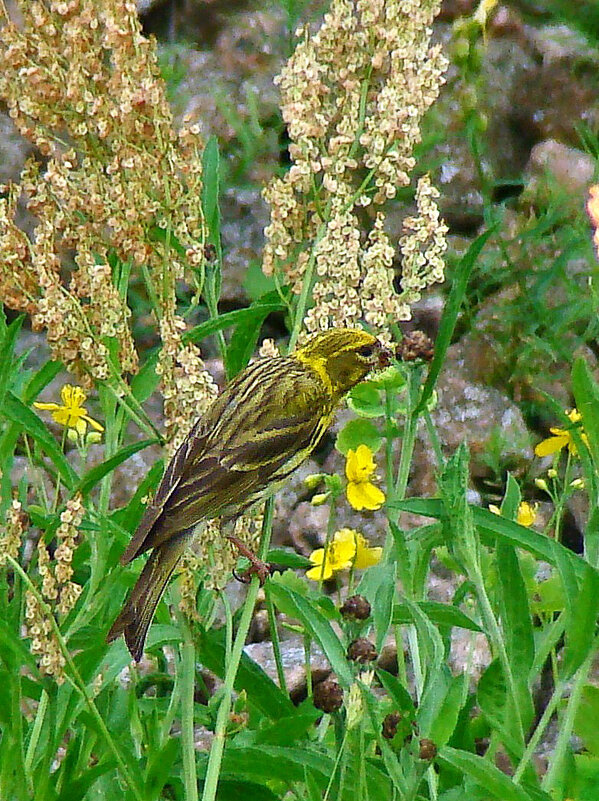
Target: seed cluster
[[118, 196], [353, 96]]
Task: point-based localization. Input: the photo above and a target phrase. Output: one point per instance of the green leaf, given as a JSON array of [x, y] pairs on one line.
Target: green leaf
[[146, 380], [493, 527], [581, 624], [40, 379], [382, 609], [443, 726], [586, 394], [261, 690], [319, 628], [16, 411], [97, 473], [450, 316], [287, 558], [587, 715], [7, 346], [229, 319], [515, 611], [358, 432], [397, 692], [483, 772], [365, 400], [244, 339], [211, 190], [438, 613]]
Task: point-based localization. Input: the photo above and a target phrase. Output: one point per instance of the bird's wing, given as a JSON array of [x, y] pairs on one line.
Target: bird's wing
[[189, 448], [242, 447]]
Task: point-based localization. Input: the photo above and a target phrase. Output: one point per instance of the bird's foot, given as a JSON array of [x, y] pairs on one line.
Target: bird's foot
[[257, 566]]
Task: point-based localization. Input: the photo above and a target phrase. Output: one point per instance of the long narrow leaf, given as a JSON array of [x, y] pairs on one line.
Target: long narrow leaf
[[318, 626], [483, 772], [96, 474], [492, 526]]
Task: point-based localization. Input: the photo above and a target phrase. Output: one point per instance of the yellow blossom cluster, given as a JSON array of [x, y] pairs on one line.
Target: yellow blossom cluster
[[120, 190], [353, 95]]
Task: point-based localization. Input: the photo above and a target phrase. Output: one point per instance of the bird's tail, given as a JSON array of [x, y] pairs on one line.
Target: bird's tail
[[137, 613]]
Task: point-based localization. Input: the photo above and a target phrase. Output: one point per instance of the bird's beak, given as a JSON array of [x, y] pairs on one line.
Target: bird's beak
[[384, 357]]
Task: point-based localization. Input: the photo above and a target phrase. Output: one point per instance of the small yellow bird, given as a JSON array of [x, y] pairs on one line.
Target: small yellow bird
[[260, 428]]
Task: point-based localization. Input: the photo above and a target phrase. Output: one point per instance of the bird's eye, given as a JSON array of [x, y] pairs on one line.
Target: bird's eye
[[366, 351]]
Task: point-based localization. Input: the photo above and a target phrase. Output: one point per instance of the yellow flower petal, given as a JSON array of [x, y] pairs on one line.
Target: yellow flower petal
[[365, 555], [364, 495], [93, 423], [360, 464], [319, 572], [46, 407], [551, 445]]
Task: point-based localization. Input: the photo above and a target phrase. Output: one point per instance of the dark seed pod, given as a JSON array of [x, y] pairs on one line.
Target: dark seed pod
[[390, 725], [328, 695], [356, 607], [361, 650], [428, 750], [415, 345]]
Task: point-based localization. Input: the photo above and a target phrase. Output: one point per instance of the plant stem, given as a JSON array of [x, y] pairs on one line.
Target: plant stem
[[222, 718], [187, 703]]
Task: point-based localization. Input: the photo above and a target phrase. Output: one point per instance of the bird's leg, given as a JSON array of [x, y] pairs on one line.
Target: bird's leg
[[257, 566]]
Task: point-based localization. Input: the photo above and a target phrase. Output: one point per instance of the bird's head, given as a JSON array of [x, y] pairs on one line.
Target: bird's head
[[343, 357]]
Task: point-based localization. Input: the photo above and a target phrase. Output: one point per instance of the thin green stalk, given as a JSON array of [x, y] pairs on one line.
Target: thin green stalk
[[75, 679], [539, 731], [187, 664], [407, 443], [224, 709], [276, 643]]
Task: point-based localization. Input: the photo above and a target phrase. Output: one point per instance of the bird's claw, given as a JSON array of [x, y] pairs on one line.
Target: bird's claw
[[257, 567]]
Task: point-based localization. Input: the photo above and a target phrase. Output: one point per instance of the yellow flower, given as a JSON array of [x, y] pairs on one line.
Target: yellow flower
[[348, 548], [338, 556], [361, 492], [72, 414], [562, 437], [526, 514]]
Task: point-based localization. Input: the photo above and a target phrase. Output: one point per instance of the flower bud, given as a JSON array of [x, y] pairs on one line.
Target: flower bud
[[390, 725], [320, 498], [328, 695], [428, 749], [361, 650], [93, 437], [356, 607], [552, 473], [313, 480], [541, 484]]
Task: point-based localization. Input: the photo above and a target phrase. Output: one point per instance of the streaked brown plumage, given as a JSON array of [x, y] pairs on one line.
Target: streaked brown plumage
[[261, 427]]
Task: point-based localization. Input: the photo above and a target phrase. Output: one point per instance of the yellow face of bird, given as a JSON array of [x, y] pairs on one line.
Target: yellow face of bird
[[343, 357]]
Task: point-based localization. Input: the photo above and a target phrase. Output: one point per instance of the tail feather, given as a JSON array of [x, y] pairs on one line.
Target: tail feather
[[135, 617]]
